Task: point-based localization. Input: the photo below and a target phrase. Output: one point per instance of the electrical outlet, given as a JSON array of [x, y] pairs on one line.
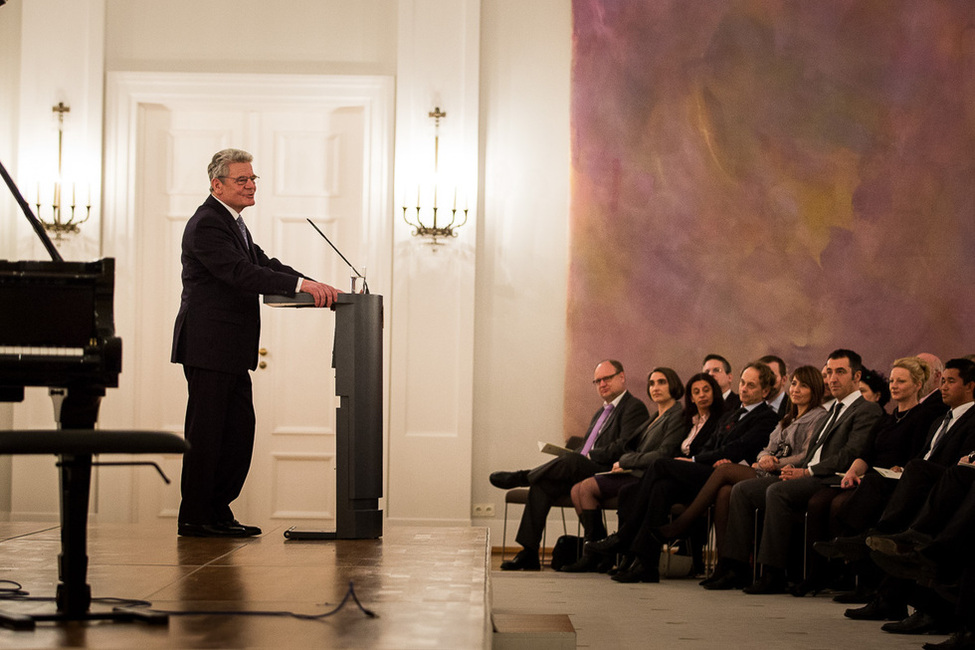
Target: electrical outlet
[[482, 510]]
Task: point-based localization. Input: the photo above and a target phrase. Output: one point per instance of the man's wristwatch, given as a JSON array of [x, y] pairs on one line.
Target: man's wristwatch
[[971, 458]]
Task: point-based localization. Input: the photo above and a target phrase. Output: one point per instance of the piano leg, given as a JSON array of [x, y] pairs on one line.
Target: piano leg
[[74, 593]]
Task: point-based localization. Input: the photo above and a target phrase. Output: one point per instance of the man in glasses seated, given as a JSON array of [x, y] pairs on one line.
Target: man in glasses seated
[[616, 421]]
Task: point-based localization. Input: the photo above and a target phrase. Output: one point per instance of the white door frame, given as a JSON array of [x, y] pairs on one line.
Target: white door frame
[[125, 93]]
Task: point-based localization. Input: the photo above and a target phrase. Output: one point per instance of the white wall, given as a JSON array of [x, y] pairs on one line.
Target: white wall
[[522, 257]]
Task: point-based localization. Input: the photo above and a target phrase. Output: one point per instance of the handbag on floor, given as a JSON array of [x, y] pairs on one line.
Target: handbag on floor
[[567, 550]]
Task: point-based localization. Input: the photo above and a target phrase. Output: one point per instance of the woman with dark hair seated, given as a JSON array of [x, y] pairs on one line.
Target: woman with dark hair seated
[[873, 387], [787, 445], [660, 438]]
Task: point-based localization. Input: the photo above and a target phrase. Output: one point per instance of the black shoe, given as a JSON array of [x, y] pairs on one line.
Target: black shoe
[[907, 543], [844, 548], [730, 580], [624, 564], [771, 582], [588, 563], [961, 640], [607, 545], [525, 560], [249, 530], [509, 480], [877, 610], [210, 530], [638, 572], [808, 586], [916, 623]]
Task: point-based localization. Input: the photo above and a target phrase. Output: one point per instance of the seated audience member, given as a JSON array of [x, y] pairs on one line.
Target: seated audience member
[[948, 438], [786, 446], [897, 437], [719, 368], [873, 387], [836, 442], [703, 409], [740, 436], [617, 420], [925, 560], [660, 438], [778, 397]]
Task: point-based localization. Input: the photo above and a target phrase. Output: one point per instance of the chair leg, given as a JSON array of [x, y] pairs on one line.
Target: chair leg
[[504, 534]]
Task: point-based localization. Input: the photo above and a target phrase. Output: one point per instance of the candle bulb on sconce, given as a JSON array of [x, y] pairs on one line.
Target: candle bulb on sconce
[[58, 224], [414, 217]]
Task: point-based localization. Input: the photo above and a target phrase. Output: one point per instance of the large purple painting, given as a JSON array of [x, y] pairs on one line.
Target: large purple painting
[[769, 176]]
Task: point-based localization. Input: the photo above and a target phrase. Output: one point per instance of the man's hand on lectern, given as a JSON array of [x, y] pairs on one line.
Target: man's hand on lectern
[[324, 295]]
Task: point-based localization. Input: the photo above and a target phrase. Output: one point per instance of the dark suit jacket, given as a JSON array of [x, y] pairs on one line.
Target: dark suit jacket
[[846, 440], [219, 323], [660, 438], [623, 422], [739, 440], [958, 441]]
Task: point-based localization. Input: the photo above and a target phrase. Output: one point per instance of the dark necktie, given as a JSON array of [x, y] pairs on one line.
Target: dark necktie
[[243, 230], [824, 433], [939, 435]]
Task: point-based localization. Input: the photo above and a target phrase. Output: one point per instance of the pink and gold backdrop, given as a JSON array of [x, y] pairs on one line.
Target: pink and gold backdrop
[[769, 176]]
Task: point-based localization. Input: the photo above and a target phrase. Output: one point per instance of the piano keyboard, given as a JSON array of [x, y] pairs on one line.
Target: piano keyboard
[[27, 352]]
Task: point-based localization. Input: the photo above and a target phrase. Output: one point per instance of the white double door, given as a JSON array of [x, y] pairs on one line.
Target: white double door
[[312, 163]]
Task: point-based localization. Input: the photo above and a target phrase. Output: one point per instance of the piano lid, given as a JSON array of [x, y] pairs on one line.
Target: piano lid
[[34, 221]]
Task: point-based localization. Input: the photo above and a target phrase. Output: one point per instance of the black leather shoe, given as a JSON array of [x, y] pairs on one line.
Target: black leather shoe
[[771, 582], [916, 623], [525, 560], [249, 530], [906, 543], [210, 530], [961, 640], [638, 572], [509, 480], [624, 564], [808, 586], [877, 610], [588, 563], [730, 580], [606, 545]]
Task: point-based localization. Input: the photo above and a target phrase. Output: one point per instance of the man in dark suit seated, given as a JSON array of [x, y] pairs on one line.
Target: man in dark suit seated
[[951, 436], [778, 397], [645, 506], [841, 438], [720, 370], [611, 427], [216, 339], [924, 561]]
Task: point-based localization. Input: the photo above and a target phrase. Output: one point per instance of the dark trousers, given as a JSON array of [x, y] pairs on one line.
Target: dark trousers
[[666, 482], [220, 431], [910, 495], [546, 484]]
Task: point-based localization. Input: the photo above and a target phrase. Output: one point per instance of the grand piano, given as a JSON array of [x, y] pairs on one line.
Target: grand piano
[[57, 330]]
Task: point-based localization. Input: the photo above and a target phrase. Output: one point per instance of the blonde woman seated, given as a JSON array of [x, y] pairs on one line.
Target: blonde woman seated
[[660, 438], [787, 445]]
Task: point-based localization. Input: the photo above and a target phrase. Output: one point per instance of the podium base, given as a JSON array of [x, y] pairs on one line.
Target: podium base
[[295, 533]]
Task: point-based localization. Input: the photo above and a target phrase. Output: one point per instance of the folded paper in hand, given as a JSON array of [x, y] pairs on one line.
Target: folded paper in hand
[[555, 450]]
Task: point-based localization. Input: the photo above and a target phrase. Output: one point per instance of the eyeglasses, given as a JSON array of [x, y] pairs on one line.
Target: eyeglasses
[[599, 380], [241, 181]]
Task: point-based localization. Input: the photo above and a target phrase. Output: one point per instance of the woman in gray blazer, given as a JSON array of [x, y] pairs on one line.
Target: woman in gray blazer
[[659, 438]]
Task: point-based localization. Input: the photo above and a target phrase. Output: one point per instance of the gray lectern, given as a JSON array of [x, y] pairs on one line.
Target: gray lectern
[[357, 356]]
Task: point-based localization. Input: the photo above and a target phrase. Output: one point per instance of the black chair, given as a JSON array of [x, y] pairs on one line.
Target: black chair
[[75, 449]]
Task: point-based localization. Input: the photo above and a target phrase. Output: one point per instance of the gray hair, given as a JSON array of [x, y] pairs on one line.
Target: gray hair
[[220, 164]]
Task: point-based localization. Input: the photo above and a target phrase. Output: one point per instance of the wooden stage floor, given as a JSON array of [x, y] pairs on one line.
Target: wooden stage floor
[[428, 586]]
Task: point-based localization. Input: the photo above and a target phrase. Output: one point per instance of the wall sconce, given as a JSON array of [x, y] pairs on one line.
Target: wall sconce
[[62, 221], [431, 227]]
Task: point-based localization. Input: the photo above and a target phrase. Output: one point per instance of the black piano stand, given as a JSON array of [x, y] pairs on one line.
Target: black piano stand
[[74, 449]]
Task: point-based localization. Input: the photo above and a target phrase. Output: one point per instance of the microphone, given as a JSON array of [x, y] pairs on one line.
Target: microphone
[[365, 285]]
